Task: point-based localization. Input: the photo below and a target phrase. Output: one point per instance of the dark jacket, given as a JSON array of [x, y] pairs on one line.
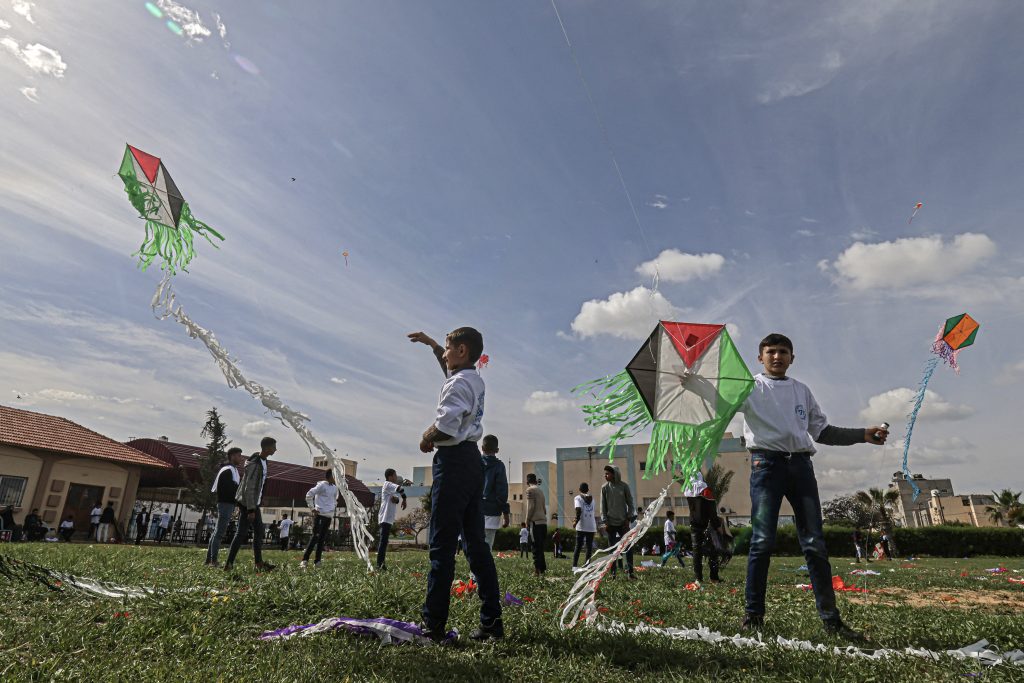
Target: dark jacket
[[226, 486], [495, 486], [616, 501], [250, 486], [107, 516]]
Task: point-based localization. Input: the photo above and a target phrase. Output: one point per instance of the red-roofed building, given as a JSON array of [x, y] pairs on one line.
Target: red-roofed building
[[286, 485], [63, 468]]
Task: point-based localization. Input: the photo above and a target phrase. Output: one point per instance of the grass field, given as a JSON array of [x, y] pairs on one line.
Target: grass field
[[935, 604]]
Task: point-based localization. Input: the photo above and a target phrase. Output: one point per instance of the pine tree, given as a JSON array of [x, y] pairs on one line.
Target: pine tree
[[197, 494]]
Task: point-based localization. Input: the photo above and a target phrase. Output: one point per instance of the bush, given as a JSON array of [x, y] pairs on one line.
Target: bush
[[508, 539], [938, 541]]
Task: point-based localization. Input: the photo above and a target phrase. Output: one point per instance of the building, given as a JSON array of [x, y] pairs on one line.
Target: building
[[320, 461], [284, 492], [914, 513], [63, 468], [970, 509]]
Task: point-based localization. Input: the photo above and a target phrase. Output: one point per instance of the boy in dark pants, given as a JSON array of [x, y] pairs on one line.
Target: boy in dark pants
[[249, 496], [457, 492], [617, 512], [389, 501], [780, 419]]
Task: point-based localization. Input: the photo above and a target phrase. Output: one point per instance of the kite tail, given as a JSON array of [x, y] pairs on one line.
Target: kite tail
[[929, 368], [617, 403], [164, 306], [197, 226], [947, 353], [689, 445], [19, 570], [581, 605]]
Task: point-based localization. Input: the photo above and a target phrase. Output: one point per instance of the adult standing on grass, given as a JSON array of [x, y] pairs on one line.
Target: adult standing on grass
[[94, 520], [495, 500], [858, 543], [141, 522], [704, 520], [617, 512], [249, 497], [781, 417], [585, 524], [322, 499], [225, 485], [165, 525], [285, 531], [107, 519], [456, 494], [537, 519], [391, 495]]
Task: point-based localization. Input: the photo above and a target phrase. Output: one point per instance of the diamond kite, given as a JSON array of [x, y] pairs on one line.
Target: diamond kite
[[917, 207], [170, 225]]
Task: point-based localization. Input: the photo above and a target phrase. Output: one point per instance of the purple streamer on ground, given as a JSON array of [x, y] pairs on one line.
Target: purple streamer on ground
[[512, 601]]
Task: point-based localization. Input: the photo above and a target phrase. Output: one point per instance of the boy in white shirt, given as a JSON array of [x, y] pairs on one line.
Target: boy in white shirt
[[585, 524], [672, 547], [457, 491], [285, 531], [322, 499], [780, 419], [524, 541], [94, 520], [389, 500]]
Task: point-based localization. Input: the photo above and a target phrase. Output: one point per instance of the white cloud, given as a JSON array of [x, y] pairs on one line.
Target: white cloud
[[803, 78], [256, 428], [805, 219], [187, 398], [658, 204], [863, 234], [4, 25], [39, 58], [673, 265], [222, 30], [893, 405], [910, 261], [66, 395], [542, 402], [734, 330], [628, 315], [951, 443], [191, 24], [1012, 372], [338, 380], [805, 233], [31, 94], [24, 9]]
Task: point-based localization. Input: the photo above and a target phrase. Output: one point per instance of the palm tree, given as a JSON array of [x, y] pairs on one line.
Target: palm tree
[[718, 480], [1007, 508], [879, 505]]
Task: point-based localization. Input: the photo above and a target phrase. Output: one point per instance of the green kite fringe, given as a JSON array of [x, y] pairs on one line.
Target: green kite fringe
[[172, 245], [618, 403]]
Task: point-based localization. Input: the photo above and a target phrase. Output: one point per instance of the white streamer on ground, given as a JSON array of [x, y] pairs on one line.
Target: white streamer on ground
[[582, 601], [164, 306], [982, 650]]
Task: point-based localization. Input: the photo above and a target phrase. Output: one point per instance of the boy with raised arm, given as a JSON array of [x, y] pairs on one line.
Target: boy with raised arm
[[457, 491], [781, 418]]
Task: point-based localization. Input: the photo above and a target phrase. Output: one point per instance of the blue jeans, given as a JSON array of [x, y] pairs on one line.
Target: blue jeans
[[456, 500], [382, 546], [224, 511], [772, 477]]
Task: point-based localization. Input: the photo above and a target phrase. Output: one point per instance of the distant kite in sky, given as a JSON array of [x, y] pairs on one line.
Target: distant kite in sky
[[917, 207], [170, 225], [482, 363], [957, 333], [345, 255]]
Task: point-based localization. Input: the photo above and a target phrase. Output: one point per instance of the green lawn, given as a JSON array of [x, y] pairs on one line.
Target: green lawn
[[188, 636]]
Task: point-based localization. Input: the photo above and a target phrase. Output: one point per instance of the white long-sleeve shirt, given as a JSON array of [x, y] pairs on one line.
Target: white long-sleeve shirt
[[460, 408], [389, 502], [781, 415], [323, 498]]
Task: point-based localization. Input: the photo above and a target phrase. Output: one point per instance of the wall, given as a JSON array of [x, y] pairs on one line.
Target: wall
[[114, 479], [16, 462]]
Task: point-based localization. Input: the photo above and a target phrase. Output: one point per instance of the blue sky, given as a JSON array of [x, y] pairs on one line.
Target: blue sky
[[774, 154]]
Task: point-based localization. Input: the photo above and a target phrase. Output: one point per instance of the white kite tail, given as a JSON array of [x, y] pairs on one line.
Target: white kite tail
[[164, 306], [581, 605]]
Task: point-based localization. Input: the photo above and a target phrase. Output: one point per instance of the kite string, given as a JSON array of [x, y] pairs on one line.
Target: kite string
[[163, 305], [929, 369], [606, 138]]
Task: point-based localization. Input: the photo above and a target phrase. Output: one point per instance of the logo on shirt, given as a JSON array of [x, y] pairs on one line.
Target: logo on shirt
[[800, 412]]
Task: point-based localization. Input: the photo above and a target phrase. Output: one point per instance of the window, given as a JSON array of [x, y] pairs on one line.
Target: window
[[648, 501], [680, 501], [12, 490], [643, 465]]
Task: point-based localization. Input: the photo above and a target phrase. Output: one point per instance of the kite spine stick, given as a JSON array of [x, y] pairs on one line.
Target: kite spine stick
[[929, 369], [164, 306]]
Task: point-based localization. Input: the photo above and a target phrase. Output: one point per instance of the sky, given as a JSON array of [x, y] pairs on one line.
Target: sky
[[773, 153]]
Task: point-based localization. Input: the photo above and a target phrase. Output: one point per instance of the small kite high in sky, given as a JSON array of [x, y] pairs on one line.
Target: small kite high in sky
[[170, 225], [956, 333], [917, 207], [345, 255]]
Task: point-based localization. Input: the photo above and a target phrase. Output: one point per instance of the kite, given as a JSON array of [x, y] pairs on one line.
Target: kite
[[482, 363], [170, 230], [170, 225], [344, 253], [917, 207], [688, 380], [957, 333]]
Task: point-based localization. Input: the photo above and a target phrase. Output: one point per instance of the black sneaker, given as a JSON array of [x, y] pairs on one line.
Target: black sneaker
[[265, 567], [841, 630], [752, 622], [494, 631], [435, 634]]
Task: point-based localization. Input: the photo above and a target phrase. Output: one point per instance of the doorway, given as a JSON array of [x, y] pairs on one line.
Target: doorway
[[80, 501]]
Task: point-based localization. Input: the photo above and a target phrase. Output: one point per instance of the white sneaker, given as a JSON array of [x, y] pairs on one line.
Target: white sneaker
[[302, 565]]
